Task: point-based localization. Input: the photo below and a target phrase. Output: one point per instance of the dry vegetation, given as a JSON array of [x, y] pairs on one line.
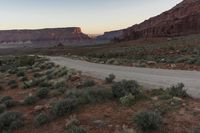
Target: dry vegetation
[[39, 96]]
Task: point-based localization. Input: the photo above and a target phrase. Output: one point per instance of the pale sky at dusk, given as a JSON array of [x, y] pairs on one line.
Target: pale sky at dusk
[[93, 16]]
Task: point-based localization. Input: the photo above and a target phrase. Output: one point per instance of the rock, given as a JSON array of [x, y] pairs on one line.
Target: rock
[[155, 98], [151, 63], [38, 108], [178, 99], [99, 123], [173, 65], [110, 35]]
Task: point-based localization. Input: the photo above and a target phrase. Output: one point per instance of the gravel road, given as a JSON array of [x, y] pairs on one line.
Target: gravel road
[[149, 78]]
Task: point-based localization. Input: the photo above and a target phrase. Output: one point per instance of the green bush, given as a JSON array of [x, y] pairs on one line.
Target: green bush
[[11, 120], [24, 78], [110, 78], [42, 119], [60, 84], [13, 84], [20, 73], [148, 120], [88, 83], [30, 100], [128, 100], [5, 98], [89, 95], [126, 87], [45, 84], [42, 92], [8, 101], [25, 60], [177, 90], [63, 107]]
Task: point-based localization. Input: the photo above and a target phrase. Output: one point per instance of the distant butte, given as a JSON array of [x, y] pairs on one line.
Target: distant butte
[[40, 35]]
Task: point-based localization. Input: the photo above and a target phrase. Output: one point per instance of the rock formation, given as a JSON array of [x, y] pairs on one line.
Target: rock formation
[[43, 35], [183, 19], [110, 35]]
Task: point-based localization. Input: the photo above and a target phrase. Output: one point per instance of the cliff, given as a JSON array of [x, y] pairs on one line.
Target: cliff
[[54, 34], [110, 35], [183, 19]]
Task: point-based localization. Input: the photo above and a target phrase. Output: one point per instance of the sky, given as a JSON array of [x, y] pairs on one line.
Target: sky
[[93, 16]]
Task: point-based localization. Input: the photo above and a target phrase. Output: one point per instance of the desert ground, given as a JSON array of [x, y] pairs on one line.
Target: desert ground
[[62, 90]]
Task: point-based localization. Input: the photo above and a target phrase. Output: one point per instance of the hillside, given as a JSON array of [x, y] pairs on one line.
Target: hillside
[[183, 19]]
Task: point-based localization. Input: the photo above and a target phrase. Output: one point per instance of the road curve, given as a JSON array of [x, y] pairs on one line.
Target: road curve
[[150, 78]]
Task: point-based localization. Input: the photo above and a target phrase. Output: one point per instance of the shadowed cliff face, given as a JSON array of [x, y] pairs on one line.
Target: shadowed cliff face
[[110, 35], [56, 34], [183, 19]]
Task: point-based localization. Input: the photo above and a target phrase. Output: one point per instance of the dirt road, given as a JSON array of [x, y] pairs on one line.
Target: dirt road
[[150, 78]]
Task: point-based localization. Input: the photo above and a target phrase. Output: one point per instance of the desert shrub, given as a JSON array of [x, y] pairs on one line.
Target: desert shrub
[[30, 100], [88, 83], [26, 85], [25, 60], [110, 78], [33, 83], [42, 92], [62, 72], [10, 121], [126, 87], [63, 107], [45, 84], [2, 108], [60, 84], [5, 98], [10, 103], [177, 90], [24, 78], [127, 100], [89, 95], [42, 119], [20, 73], [13, 71], [37, 75], [148, 120], [72, 126], [13, 84]]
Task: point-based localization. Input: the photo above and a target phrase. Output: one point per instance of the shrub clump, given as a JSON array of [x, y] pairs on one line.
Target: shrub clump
[[30, 100], [110, 78], [88, 83], [13, 84], [73, 127], [41, 119], [8, 101], [127, 100], [89, 95], [11, 120], [148, 120], [126, 87], [63, 107], [177, 90], [42, 92]]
